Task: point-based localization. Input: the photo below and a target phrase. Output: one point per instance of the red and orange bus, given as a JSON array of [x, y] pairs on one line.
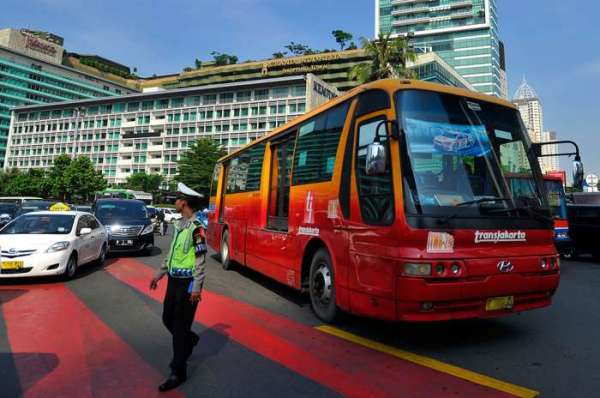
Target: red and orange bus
[[392, 201]]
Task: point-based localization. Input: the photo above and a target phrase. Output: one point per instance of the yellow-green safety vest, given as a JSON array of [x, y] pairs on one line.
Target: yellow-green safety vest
[[182, 255]]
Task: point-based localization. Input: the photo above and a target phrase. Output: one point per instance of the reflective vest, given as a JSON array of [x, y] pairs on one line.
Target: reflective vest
[[182, 255]]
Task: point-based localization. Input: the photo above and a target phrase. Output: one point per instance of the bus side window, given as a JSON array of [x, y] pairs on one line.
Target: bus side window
[[376, 195], [318, 141]]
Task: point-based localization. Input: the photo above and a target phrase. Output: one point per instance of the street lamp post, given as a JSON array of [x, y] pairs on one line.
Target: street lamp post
[[79, 112]]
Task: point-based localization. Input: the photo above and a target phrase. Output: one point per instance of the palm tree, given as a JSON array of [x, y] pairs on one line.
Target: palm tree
[[388, 60]]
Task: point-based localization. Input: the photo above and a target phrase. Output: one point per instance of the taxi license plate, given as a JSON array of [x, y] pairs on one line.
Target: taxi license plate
[[11, 265], [124, 243], [499, 303]]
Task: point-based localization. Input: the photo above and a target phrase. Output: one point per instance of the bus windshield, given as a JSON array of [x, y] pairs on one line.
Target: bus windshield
[[460, 153]]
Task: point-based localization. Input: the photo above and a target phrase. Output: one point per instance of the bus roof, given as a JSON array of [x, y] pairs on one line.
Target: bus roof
[[389, 85]]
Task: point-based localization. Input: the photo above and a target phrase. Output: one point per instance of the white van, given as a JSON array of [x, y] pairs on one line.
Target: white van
[[18, 199]]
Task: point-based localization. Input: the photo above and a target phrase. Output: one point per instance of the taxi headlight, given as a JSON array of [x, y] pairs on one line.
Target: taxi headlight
[[148, 229], [58, 246]]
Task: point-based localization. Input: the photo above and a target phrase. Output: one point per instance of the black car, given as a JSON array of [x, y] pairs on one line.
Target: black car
[[34, 205], [8, 211], [127, 223]]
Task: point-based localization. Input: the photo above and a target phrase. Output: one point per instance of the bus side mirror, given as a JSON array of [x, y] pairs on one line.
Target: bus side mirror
[[577, 174], [376, 159]]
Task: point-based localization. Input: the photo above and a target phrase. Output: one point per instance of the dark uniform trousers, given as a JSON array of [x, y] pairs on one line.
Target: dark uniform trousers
[[178, 316]]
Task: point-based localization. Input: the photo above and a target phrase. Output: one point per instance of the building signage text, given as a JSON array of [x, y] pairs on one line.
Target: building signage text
[[39, 46]]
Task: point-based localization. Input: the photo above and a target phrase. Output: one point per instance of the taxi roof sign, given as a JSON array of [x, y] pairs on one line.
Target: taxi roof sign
[[59, 207]]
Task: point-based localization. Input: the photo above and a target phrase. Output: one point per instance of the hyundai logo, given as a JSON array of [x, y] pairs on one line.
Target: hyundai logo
[[505, 266], [12, 250]]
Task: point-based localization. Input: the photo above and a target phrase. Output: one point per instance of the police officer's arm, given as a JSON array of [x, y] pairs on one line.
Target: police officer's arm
[[200, 268]]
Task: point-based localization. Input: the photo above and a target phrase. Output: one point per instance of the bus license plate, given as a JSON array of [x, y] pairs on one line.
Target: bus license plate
[[11, 265], [499, 303], [124, 243]]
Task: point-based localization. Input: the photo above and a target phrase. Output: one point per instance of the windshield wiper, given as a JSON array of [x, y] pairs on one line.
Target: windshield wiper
[[482, 200], [445, 219]]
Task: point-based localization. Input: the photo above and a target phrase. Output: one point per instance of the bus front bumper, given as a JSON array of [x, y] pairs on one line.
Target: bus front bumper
[[435, 300]]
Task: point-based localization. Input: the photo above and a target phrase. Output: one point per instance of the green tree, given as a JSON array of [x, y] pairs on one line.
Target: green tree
[[34, 182], [197, 63], [389, 58], [56, 176], [224, 59], [144, 182], [342, 38], [197, 164], [82, 180], [299, 49], [6, 178], [279, 54]]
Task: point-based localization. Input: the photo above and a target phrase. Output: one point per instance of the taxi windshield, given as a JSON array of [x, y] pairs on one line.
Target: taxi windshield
[[40, 224]]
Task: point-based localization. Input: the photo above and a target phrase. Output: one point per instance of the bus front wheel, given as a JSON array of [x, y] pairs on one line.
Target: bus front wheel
[[322, 286], [225, 253]]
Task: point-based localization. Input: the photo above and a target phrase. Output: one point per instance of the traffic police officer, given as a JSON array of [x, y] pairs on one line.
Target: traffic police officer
[[184, 266]]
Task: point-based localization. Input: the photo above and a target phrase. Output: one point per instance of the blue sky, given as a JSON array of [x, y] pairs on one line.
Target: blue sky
[[554, 43]]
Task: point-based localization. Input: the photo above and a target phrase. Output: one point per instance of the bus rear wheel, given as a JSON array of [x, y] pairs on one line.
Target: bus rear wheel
[[225, 253], [322, 286]]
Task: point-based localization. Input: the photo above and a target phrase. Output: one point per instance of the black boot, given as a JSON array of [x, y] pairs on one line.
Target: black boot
[[174, 381]]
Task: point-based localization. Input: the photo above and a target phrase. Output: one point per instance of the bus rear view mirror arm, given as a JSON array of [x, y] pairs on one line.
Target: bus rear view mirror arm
[[577, 164]]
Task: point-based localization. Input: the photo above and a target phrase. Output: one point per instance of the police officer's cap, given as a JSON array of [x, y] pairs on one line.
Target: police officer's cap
[[185, 192]]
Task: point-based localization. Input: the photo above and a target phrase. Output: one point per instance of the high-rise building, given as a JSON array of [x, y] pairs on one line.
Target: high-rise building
[[532, 113], [550, 163], [148, 132], [462, 32], [32, 72], [530, 107]]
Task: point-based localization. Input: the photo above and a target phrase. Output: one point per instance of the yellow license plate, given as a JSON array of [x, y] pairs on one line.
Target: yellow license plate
[[11, 265], [499, 303]]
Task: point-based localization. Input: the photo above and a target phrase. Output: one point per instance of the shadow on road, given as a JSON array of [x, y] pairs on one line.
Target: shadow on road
[[33, 367], [272, 285]]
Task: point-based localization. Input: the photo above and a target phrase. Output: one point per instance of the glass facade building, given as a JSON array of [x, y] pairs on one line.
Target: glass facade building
[[25, 80], [462, 32], [148, 132]]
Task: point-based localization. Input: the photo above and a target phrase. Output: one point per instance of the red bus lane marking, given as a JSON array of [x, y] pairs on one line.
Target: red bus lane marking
[[70, 352], [352, 370]]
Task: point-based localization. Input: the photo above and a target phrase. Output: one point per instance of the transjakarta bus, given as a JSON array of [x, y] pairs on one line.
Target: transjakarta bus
[[392, 202]]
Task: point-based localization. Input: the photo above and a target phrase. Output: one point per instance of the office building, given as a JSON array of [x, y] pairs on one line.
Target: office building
[[32, 72], [462, 32], [334, 68], [148, 132], [532, 112]]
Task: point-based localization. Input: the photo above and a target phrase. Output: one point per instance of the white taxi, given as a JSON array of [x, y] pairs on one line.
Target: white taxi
[[51, 243]]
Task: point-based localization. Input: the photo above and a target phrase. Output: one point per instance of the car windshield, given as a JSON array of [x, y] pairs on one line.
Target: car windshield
[[29, 207], [122, 210], [461, 153], [8, 208], [40, 224]]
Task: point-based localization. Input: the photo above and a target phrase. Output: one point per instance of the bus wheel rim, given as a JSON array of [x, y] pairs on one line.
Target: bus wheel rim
[[322, 284], [225, 251]]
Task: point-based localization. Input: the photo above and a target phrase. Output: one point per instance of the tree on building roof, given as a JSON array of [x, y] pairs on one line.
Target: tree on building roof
[[389, 58], [342, 38], [300, 49]]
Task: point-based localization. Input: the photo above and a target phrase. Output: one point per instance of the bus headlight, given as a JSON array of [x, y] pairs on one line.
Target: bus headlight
[[415, 269]]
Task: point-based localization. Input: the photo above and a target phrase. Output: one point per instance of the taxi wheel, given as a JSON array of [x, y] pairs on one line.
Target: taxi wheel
[[102, 257], [71, 268], [322, 287], [225, 253]]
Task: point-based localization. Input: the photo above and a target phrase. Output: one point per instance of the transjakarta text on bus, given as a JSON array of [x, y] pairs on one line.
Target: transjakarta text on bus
[[392, 202]]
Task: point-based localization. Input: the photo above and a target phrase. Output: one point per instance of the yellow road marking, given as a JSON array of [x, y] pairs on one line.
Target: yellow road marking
[[434, 364]]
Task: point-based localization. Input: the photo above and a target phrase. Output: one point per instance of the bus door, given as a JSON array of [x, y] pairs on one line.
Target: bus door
[[372, 212], [273, 241]]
